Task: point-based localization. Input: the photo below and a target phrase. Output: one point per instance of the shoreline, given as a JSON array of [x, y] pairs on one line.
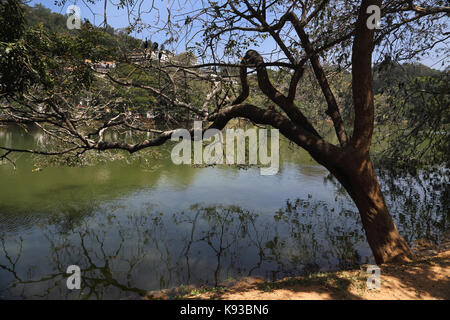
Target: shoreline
[[425, 278]]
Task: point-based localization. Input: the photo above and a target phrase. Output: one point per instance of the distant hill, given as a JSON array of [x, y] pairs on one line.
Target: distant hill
[[395, 74], [52, 21], [56, 22]]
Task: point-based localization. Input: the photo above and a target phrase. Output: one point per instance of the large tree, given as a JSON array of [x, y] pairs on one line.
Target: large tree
[[304, 35]]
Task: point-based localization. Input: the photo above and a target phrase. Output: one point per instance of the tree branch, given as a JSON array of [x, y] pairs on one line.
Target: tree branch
[[333, 109]]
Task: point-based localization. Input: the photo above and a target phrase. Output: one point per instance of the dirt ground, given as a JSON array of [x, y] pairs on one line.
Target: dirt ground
[[427, 278]]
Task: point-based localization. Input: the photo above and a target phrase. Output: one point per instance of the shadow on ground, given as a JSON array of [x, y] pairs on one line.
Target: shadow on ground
[[425, 278]]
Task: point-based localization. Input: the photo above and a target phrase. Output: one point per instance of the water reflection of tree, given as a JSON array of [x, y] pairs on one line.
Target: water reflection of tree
[[123, 256], [322, 235], [215, 242], [226, 231], [98, 277], [419, 201]]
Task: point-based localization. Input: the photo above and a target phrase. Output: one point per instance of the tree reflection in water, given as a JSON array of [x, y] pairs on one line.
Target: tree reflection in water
[[125, 255]]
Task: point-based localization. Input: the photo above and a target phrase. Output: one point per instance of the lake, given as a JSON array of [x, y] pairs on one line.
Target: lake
[[142, 223]]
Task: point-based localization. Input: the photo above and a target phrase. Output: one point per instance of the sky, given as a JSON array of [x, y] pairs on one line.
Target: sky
[[119, 19]]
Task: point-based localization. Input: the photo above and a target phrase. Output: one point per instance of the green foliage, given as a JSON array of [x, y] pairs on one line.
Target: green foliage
[[41, 15], [12, 20], [413, 111], [36, 49], [389, 74]]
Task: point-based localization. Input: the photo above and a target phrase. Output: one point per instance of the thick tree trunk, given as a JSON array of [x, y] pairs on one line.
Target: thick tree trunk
[[359, 179]]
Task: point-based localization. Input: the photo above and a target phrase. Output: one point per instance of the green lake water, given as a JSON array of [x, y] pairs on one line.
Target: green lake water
[[147, 224]]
